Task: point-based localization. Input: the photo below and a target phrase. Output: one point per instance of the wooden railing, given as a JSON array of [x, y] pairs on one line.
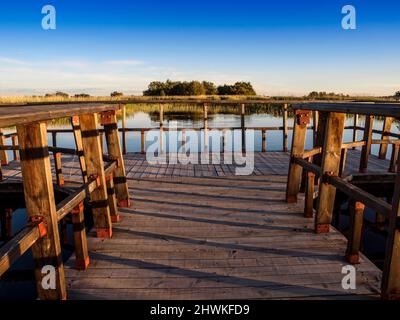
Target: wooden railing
[[103, 189], [319, 172]]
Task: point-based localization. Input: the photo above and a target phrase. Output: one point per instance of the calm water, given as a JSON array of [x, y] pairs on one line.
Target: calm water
[[182, 119]]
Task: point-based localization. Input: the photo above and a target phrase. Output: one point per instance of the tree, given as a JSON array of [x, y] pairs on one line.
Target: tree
[[397, 95], [244, 89], [210, 88], [116, 94], [82, 95], [62, 94]]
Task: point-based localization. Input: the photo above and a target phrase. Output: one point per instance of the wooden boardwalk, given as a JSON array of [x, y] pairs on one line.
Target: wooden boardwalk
[[198, 232]]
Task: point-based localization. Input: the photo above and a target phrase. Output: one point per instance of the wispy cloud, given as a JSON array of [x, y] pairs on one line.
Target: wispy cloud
[[124, 62], [13, 61]]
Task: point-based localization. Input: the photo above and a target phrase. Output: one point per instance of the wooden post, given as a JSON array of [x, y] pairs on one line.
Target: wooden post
[[95, 168], [124, 129], [3, 153], [355, 130], [112, 200], [387, 126], [161, 128], [331, 152], [301, 120], [319, 140], [14, 140], [184, 140], [243, 126], [315, 128], [142, 142], [394, 158], [79, 146], [285, 128], [40, 206], [81, 250], [309, 196], [205, 115], [366, 149], [356, 225], [54, 138], [58, 168], [6, 224], [342, 167], [264, 140], [109, 121], [391, 271]]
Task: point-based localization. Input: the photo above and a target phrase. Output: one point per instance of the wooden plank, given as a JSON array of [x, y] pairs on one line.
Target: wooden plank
[[331, 151], [58, 169], [95, 168], [391, 272], [15, 248], [3, 153], [309, 196], [366, 149], [387, 126], [285, 128], [79, 146], [355, 128], [243, 126], [10, 116], [356, 227], [112, 200], [14, 140], [298, 144], [40, 204], [109, 121], [205, 123]]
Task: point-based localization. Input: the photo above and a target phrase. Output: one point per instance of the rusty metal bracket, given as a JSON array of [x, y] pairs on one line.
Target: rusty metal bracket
[[303, 117], [96, 178], [107, 117], [39, 222], [75, 120]]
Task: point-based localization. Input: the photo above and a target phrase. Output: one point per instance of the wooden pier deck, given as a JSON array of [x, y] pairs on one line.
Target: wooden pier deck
[[198, 232]]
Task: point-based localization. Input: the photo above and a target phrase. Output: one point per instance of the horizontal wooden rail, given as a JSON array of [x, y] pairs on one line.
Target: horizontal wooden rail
[[359, 195], [69, 203], [308, 166], [17, 246]]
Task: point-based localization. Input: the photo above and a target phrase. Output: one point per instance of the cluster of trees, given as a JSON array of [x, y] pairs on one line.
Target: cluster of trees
[[397, 95], [66, 95], [325, 95], [197, 88]]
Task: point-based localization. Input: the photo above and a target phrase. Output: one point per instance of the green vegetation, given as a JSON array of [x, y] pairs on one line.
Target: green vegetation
[[327, 96], [116, 94], [397, 95], [196, 88], [82, 95]]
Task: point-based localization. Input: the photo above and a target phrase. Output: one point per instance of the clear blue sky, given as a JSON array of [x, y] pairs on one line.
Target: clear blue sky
[[282, 47]]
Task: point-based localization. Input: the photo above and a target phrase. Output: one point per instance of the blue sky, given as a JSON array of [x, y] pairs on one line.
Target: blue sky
[[282, 47]]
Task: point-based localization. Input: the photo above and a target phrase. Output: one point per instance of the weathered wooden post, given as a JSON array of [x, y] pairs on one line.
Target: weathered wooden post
[[14, 140], [80, 242], [285, 128], [243, 126], [394, 158], [142, 142], [3, 153], [302, 118], [264, 140], [315, 128], [124, 129], [355, 130], [366, 149], [356, 224], [161, 128], [331, 152], [112, 200], [58, 168], [391, 271], [40, 206], [387, 126], [309, 196], [76, 128], [109, 121], [205, 119], [95, 168], [342, 166]]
